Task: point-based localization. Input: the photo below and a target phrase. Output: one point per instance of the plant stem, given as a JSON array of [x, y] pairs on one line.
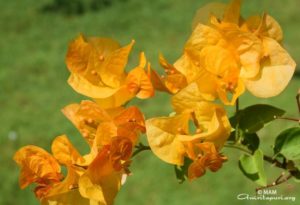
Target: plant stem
[[238, 147], [139, 148], [274, 162], [288, 118], [237, 105], [195, 120], [266, 158], [281, 179]]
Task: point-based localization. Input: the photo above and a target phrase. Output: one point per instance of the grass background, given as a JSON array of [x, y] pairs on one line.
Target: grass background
[[33, 89]]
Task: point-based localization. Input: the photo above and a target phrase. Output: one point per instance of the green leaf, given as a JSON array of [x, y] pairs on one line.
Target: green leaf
[[181, 171], [253, 118], [252, 167], [287, 143], [251, 140]]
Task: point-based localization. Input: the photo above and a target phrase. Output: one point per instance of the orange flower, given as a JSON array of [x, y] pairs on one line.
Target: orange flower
[[172, 82], [97, 67], [37, 166], [98, 125], [94, 178], [91, 179], [207, 157]]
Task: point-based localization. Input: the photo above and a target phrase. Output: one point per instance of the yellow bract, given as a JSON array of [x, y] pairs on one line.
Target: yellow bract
[[97, 67], [171, 138]]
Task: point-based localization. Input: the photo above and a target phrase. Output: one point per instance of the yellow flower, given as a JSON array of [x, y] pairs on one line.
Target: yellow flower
[[97, 67], [230, 54], [265, 67], [171, 137]]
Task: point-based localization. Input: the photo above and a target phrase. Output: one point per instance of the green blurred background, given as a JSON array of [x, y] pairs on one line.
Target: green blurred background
[[33, 89]]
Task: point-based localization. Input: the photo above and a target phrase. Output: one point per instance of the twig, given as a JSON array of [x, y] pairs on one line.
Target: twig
[[266, 158], [139, 148], [238, 147], [281, 179], [237, 105], [274, 162], [287, 118]]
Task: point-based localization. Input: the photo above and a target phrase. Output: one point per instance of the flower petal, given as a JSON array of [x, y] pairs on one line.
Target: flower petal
[[248, 48], [203, 14], [230, 98], [196, 169], [130, 122], [86, 116], [37, 165], [265, 26], [71, 197], [78, 55], [112, 72], [276, 72], [187, 98], [83, 52], [213, 124], [162, 137], [138, 82], [100, 183], [273, 29], [232, 13], [84, 87], [172, 82], [65, 152], [119, 98], [202, 36], [187, 67], [66, 192]]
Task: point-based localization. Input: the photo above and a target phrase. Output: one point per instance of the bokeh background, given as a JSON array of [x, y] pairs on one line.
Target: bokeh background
[[33, 89]]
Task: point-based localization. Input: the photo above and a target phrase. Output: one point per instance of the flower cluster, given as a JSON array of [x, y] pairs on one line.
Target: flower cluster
[[111, 130], [225, 55]]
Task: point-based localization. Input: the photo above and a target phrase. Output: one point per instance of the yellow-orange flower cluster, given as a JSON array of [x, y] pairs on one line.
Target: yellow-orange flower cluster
[[227, 53], [94, 178], [224, 55], [111, 131]]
